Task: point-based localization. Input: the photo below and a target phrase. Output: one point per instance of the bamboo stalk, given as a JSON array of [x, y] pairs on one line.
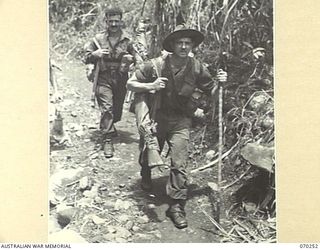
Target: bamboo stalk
[[220, 153], [142, 9], [227, 16], [246, 228]]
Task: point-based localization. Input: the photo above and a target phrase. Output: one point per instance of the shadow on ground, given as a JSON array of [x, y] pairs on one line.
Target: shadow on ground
[[159, 198], [126, 137]]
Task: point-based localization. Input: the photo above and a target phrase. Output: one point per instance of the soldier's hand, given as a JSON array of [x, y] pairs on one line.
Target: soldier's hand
[[160, 83], [99, 53], [199, 113], [222, 75]]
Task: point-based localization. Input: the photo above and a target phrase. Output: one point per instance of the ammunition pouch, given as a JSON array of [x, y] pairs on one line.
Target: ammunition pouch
[[194, 102], [111, 67], [187, 89]]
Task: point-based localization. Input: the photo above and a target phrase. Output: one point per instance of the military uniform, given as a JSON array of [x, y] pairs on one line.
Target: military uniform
[[111, 82], [177, 80], [174, 115]]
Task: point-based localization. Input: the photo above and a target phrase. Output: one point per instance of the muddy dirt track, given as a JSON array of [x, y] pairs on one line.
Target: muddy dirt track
[[99, 199]]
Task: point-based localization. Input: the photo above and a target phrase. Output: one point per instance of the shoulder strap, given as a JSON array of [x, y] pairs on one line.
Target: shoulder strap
[[96, 43], [157, 64], [197, 67]]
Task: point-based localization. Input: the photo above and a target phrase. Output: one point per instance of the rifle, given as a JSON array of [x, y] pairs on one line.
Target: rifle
[[154, 158], [95, 79], [146, 122]]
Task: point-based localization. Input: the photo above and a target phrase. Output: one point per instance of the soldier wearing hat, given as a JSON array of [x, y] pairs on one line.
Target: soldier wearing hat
[[111, 52], [174, 78]]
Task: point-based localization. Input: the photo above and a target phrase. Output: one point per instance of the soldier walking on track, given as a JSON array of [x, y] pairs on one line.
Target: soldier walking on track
[[111, 52], [176, 80]]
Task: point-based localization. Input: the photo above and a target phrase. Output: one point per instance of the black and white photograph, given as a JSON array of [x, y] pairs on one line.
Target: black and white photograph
[[161, 121]]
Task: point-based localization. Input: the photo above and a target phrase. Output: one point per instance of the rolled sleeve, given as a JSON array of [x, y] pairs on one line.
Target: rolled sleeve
[[145, 72], [89, 47]]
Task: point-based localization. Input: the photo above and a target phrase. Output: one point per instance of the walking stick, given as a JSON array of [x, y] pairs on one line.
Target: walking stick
[[222, 63], [220, 151], [220, 147]]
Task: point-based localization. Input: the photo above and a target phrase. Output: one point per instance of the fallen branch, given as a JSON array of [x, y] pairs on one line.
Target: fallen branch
[[212, 163], [83, 16], [72, 183], [263, 223], [241, 176], [94, 152], [83, 225], [220, 228], [94, 206], [234, 205], [242, 235], [232, 229], [203, 134], [247, 229], [70, 50]]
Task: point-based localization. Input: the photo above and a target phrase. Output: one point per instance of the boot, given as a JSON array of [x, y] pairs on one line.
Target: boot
[[146, 181], [108, 148], [177, 214]]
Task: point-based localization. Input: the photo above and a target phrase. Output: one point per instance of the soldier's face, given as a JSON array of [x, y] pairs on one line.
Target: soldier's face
[[114, 23], [182, 47]]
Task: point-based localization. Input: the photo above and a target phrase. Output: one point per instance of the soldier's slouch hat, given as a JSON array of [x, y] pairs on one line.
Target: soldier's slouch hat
[[180, 32]]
